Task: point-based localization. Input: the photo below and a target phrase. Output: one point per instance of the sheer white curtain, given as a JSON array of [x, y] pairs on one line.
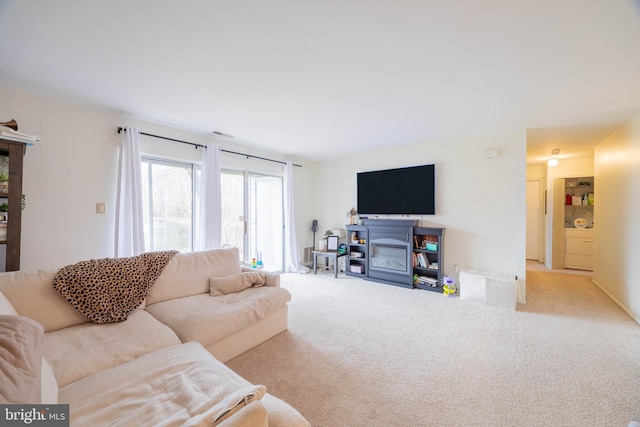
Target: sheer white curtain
[[209, 220], [129, 221], [291, 252]]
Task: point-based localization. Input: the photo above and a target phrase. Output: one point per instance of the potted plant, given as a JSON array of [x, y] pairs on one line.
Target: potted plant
[[4, 182], [4, 208], [351, 215]]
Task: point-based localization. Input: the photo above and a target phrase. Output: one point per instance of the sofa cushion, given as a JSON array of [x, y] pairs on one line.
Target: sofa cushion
[[188, 273], [207, 319], [236, 282], [31, 293], [48, 383], [5, 306], [106, 290], [20, 359], [176, 385], [49, 386], [82, 350]]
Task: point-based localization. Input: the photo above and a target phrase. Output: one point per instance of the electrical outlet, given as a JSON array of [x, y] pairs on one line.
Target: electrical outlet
[[101, 208]]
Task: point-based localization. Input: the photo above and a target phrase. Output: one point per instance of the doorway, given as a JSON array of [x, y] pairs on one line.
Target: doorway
[[252, 216]]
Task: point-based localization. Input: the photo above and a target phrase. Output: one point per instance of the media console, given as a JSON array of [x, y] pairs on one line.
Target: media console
[[396, 252]]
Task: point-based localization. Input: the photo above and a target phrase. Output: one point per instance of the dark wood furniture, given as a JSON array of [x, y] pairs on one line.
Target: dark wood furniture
[[15, 151]]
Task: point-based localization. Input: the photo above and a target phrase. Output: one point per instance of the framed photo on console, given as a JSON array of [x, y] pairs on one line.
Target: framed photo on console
[[332, 243]]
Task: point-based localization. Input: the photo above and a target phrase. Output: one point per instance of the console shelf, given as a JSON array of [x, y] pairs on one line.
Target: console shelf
[[424, 259], [357, 253], [428, 262]]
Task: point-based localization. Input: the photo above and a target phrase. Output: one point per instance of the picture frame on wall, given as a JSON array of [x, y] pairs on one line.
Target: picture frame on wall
[[332, 243]]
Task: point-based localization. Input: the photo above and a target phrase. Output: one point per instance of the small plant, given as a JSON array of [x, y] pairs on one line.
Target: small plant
[[4, 177], [4, 207], [328, 233]]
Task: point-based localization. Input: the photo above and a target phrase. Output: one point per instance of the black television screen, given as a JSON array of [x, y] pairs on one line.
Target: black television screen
[[401, 191]]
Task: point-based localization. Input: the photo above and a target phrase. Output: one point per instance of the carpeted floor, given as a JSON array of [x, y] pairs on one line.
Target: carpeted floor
[[360, 353]]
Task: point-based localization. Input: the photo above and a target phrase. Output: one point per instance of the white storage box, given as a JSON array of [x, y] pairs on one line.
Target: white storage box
[[488, 288], [356, 269]]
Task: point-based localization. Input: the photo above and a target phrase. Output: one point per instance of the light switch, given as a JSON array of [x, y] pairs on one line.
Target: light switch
[[101, 208]]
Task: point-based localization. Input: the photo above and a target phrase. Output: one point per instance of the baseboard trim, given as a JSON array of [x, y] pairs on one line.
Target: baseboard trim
[[614, 299]]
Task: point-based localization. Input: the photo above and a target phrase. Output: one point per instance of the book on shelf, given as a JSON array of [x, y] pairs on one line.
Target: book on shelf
[[419, 260], [423, 260], [426, 280]]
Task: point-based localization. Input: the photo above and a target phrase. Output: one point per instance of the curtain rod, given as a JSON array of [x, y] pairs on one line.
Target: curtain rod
[[121, 129]]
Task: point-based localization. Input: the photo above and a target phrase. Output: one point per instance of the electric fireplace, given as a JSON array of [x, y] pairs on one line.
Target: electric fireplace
[[390, 251]]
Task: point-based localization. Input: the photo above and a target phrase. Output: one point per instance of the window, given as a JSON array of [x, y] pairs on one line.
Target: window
[[169, 200], [252, 210], [252, 216]]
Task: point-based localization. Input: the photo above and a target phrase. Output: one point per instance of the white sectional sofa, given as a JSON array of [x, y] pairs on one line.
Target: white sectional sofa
[[164, 365]]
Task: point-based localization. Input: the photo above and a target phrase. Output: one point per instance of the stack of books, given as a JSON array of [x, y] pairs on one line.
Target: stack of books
[[14, 135], [427, 281], [419, 260]]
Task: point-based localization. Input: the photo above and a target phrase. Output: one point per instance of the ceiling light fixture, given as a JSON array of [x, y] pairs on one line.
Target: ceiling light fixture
[[553, 161]]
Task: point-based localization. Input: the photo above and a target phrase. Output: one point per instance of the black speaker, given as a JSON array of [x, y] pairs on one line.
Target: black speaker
[[314, 225]]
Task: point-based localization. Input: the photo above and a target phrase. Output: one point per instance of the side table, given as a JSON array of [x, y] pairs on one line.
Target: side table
[[327, 254]]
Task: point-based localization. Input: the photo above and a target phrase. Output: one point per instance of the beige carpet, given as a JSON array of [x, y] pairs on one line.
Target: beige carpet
[[360, 353]]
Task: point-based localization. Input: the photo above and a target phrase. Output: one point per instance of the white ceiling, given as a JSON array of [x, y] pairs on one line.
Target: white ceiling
[[319, 79]]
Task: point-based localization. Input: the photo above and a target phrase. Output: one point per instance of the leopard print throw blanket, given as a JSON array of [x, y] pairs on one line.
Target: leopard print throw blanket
[[107, 290]]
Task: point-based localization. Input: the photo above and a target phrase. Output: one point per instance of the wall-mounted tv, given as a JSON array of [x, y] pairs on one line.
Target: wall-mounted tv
[[400, 191]]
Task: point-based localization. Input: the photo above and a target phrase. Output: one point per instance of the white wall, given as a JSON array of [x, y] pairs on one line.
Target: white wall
[[480, 202], [617, 215], [75, 166]]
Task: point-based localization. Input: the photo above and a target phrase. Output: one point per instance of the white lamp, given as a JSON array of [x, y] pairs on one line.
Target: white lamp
[[340, 232]]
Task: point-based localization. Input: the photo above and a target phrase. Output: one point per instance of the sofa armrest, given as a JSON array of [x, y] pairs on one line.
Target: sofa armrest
[[272, 279], [252, 415]]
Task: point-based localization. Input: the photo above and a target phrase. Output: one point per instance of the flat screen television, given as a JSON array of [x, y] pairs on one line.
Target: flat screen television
[[400, 191]]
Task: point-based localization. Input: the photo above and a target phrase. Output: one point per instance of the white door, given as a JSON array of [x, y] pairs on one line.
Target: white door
[[533, 220]]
